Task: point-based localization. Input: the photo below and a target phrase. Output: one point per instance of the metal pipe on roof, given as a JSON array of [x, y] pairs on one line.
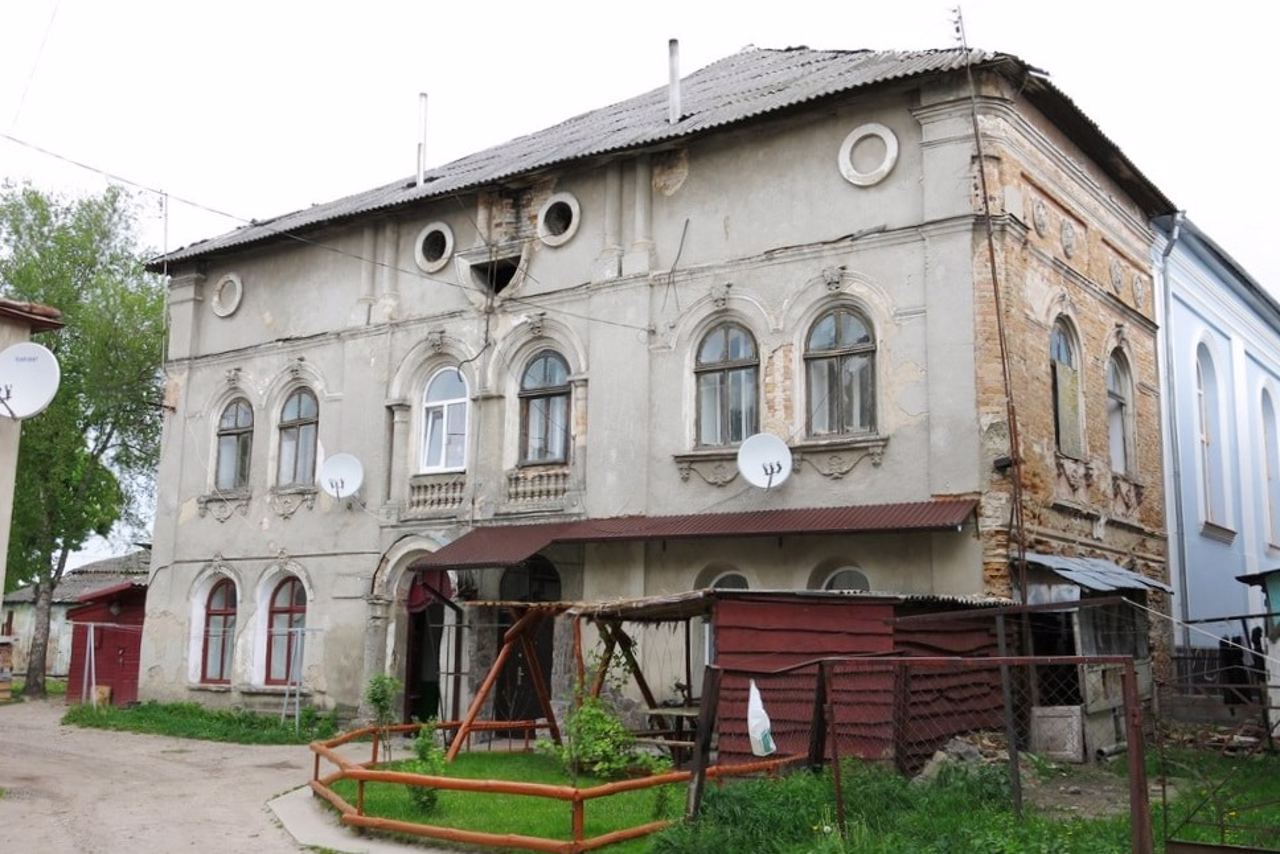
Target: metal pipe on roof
[[422, 138], [673, 90]]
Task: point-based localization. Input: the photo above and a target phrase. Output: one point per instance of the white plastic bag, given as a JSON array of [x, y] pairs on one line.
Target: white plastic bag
[[758, 726]]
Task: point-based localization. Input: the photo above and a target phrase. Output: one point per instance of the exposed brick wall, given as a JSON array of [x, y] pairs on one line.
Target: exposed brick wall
[[1070, 244]]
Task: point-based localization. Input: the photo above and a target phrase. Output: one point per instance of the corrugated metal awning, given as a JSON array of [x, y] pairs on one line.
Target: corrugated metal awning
[[505, 545], [1095, 573]]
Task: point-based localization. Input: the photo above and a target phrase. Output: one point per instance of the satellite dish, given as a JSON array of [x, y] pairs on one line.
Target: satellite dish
[[764, 460], [341, 475], [29, 377]]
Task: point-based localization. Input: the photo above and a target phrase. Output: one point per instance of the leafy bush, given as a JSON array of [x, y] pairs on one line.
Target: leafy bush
[[191, 720], [380, 694], [430, 761], [595, 742]]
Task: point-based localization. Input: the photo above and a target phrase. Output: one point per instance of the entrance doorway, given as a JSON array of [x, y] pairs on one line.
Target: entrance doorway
[[428, 596], [535, 580]]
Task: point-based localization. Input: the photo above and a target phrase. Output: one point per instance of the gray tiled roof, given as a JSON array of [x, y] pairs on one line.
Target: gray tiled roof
[[732, 90], [1096, 573], [91, 577]]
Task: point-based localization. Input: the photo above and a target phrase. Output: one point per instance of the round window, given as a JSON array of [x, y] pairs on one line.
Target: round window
[[558, 219], [227, 294], [434, 247], [868, 154]]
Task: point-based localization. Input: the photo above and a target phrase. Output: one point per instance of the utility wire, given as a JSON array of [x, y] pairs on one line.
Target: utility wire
[[35, 64], [524, 301]]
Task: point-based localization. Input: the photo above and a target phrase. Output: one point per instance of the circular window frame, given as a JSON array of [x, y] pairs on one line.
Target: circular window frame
[[441, 262], [223, 304], [832, 574], [544, 234], [875, 176]]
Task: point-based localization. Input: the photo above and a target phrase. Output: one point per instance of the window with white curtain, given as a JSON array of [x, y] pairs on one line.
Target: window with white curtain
[[1119, 413]]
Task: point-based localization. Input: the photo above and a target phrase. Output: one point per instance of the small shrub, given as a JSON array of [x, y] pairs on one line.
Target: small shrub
[[596, 742], [381, 693], [429, 760]]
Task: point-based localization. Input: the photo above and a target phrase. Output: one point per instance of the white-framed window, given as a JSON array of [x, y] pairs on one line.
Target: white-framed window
[[1213, 488], [299, 425], [1064, 357], [1271, 456], [235, 446], [1120, 413], [445, 416], [544, 409], [727, 372], [840, 374], [286, 627]]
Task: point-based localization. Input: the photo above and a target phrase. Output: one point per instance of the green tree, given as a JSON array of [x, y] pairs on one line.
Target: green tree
[[87, 462]]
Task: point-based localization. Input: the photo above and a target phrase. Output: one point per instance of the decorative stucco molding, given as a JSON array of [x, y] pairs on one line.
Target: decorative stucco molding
[[285, 503], [718, 468], [222, 505], [837, 459]]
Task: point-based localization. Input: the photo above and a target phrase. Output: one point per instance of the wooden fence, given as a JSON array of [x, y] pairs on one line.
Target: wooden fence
[[364, 772]]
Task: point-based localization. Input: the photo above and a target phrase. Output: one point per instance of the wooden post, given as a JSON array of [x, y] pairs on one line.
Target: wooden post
[[688, 659], [1010, 731], [316, 774], [836, 773], [539, 681], [377, 739], [1139, 797], [360, 797], [901, 715], [580, 668], [702, 741], [579, 823], [818, 728], [606, 658], [477, 702]]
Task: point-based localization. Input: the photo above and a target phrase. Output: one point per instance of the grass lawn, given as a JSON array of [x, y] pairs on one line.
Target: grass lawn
[[1195, 774], [191, 720], [53, 687], [529, 816]]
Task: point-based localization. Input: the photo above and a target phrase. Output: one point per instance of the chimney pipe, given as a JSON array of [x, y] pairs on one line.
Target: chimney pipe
[[673, 91], [422, 138]]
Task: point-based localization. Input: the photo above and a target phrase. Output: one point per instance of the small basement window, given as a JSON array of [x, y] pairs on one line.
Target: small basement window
[[494, 276]]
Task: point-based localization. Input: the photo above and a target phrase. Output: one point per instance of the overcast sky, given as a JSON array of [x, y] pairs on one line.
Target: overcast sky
[[257, 107]]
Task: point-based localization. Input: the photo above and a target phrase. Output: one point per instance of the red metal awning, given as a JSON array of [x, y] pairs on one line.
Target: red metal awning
[[505, 545]]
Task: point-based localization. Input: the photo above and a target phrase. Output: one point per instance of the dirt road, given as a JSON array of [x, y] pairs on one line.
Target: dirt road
[[85, 791]]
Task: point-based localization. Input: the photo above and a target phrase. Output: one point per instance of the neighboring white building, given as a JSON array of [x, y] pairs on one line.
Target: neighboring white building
[[1220, 360], [546, 354]]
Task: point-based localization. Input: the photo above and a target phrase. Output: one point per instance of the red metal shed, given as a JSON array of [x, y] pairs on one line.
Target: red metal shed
[[114, 618]]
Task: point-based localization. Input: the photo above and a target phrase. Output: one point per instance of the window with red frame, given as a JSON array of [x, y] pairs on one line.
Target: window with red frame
[[287, 616], [219, 632]]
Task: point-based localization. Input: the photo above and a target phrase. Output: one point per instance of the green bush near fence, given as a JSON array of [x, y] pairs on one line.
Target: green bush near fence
[[190, 720]]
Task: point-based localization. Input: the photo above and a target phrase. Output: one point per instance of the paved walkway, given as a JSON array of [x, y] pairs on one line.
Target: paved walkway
[[85, 791]]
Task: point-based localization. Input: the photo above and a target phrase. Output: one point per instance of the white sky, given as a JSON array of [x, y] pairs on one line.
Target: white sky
[[258, 107]]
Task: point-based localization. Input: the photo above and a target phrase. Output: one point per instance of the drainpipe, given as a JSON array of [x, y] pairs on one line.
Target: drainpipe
[[1172, 409]]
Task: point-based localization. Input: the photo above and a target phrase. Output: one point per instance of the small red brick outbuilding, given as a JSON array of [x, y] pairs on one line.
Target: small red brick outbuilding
[[115, 614]]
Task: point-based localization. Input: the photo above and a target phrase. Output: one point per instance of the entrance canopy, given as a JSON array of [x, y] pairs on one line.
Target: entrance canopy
[[506, 545]]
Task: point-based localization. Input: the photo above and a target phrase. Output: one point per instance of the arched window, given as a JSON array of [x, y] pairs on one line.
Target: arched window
[[730, 581], [444, 422], [544, 409], [727, 371], [219, 632], [1064, 356], [847, 578], [235, 445], [286, 618], [840, 374], [299, 421], [1271, 451], [1212, 484], [1119, 414]]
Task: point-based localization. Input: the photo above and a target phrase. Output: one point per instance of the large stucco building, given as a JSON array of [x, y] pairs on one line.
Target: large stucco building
[[583, 323]]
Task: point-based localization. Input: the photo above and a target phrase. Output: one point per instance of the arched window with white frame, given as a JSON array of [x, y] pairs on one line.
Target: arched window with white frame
[[840, 374], [545, 395], [235, 446], [1120, 413], [727, 371], [299, 427], [219, 632], [445, 416], [1213, 488], [1271, 456], [286, 622]]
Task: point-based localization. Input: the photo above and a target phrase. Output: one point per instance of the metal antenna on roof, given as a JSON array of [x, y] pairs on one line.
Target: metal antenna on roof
[[422, 138]]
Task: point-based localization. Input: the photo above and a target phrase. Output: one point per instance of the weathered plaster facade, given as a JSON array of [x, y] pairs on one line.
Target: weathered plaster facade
[[753, 224]]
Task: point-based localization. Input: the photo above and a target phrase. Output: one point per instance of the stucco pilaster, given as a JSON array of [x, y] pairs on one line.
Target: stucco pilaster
[[399, 467]]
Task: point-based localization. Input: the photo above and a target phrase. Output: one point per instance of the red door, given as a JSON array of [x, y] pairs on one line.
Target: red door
[[119, 656]]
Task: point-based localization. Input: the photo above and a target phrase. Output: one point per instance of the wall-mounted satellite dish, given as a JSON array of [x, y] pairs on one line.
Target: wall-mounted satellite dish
[[341, 475], [29, 377], [764, 460]]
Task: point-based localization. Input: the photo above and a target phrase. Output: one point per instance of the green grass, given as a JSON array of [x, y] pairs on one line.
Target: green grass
[[1248, 780], [191, 720], [52, 687], [526, 815]]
